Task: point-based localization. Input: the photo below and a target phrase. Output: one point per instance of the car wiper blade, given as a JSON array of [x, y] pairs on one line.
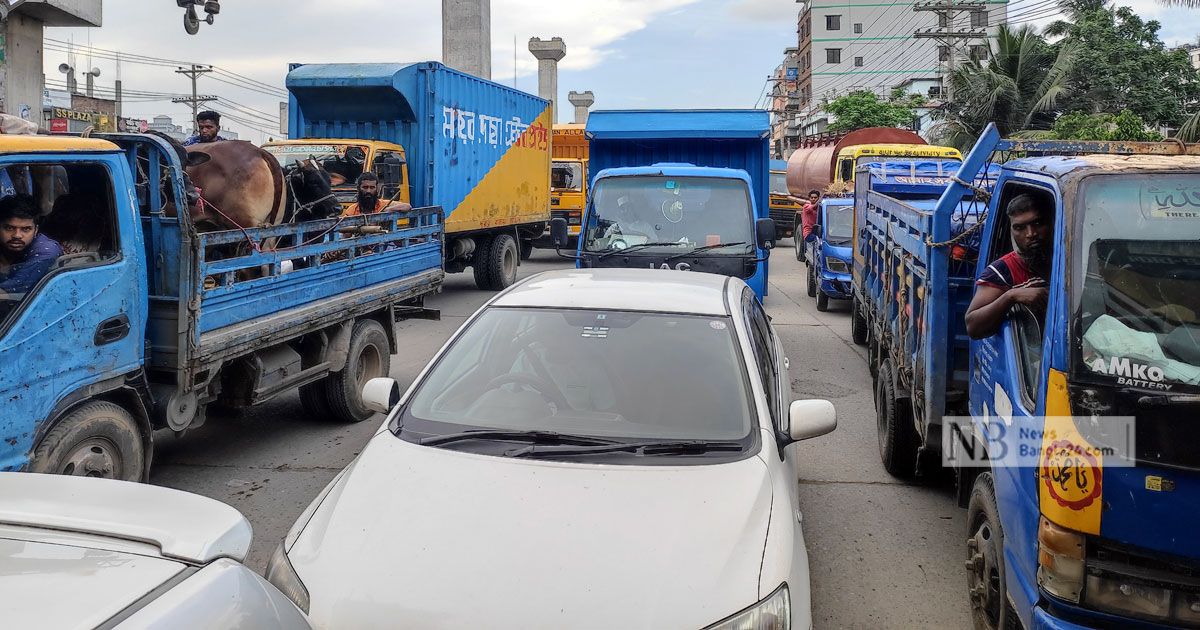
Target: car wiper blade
[[705, 248], [534, 437], [634, 248], [676, 447]]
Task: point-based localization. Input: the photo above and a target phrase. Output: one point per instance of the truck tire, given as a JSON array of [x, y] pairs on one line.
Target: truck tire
[[897, 438], [482, 245], [526, 250], [812, 280], [369, 357], [497, 264], [986, 585], [858, 323], [822, 301], [314, 399], [798, 242], [99, 439]]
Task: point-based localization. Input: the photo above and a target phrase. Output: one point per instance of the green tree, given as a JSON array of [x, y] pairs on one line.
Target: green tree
[[858, 110], [1123, 65], [1124, 126], [1018, 88]]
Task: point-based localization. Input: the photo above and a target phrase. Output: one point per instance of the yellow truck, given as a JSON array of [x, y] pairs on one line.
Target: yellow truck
[[568, 179]]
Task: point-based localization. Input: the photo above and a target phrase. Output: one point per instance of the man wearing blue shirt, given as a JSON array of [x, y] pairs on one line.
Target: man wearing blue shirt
[[208, 126], [25, 254]]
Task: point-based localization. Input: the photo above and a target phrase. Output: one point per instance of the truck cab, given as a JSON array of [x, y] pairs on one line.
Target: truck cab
[[784, 207], [851, 159], [829, 252], [1085, 513], [346, 159], [568, 180]]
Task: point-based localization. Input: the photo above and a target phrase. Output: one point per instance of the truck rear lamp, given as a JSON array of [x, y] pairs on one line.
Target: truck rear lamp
[[1060, 561]]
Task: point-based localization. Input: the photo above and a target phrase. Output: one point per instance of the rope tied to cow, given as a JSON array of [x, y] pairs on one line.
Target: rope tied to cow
[[256, 246]]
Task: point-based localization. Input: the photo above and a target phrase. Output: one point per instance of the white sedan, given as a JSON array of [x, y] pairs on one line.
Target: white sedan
[[592, 449]]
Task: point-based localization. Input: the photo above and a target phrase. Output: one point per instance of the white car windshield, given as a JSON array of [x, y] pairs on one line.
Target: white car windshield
[[619, 375]]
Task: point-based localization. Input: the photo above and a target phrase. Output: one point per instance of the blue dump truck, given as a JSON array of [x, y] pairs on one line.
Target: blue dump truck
[[435, 137], [828, 256], [1076, 453], [151, 321], [685, 189]]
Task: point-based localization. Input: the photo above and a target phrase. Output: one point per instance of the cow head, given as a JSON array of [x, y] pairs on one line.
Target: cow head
[[312, 194]]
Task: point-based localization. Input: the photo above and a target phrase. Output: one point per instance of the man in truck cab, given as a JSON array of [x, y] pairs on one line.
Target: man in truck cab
[[1018, 277], [25, 254], [368, 198]]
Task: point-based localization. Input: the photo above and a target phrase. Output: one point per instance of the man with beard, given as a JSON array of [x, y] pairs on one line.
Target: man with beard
[[208, 128], [25, 254], [368, 198], [1018, 277]]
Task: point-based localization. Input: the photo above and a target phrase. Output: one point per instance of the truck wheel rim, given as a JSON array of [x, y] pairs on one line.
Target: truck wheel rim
[[510, 264], [94, 457], [985, 594], [368, 365]]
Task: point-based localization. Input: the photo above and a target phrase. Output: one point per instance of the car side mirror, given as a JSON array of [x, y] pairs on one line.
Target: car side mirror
[[810, 419], [764, 231], [381, 395], [558, 232]]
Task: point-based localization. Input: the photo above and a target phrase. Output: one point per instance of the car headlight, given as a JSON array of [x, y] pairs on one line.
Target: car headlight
[[1060, 561], [772, 613], [284, 577], [836, 265]]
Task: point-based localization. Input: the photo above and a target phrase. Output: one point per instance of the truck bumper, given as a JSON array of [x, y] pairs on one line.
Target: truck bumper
[[1043, 620], [836, 286]]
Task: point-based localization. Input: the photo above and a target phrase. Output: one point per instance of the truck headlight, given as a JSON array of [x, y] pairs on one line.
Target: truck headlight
[[836, 265], [284, 577], [1060, 561], [772, 613]]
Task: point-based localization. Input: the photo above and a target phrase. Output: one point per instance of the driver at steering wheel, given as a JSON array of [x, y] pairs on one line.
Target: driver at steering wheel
[[628, 222]]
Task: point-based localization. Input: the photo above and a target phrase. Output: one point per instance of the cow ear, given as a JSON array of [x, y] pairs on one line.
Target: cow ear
[[196, 158]]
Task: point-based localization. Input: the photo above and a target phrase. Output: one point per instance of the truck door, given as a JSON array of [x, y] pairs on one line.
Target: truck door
[[81, 323], [1008, 385]]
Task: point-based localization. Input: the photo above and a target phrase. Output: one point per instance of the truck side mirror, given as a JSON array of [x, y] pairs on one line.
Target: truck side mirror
[[817, 231], [558, 232], [764, 230]]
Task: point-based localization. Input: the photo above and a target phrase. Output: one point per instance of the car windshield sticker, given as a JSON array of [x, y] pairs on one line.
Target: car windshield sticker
[[595, 332], [1170, 202], [717, 325]]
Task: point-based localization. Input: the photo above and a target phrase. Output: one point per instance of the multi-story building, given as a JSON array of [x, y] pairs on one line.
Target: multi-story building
[[848, 45]]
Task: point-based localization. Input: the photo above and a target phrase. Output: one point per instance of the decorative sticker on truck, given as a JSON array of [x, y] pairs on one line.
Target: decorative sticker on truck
[[1179, 202], [460, 124]]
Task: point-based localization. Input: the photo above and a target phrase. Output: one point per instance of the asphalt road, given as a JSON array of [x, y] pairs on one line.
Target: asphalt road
[[883, 554]]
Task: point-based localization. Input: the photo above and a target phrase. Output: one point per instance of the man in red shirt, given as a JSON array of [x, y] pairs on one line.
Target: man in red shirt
[[1018, 277], [808, 219]]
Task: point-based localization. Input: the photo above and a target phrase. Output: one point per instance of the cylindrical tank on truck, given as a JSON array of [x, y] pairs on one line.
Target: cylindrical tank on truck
[[813, 166], [478, 149]]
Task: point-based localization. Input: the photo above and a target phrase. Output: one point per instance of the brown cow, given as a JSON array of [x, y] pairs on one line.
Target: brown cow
[[242, 185]]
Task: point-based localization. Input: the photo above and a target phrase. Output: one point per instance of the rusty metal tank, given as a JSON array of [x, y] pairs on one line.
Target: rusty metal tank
[[811, 166]]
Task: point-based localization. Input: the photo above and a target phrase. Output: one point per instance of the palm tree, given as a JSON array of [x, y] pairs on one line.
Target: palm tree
[[1017, 88], [1075, 11]]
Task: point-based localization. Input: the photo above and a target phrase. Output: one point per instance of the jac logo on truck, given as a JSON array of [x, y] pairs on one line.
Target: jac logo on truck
[[1131, 373], [680, 267]]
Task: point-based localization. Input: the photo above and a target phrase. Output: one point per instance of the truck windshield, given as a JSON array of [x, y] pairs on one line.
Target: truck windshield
[[779, 183], [839, 224], [1137, 279], [681, 212], [566, 176], [344, 162]]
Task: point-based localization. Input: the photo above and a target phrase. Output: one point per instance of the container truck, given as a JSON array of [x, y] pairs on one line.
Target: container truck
[[1075, 449], [828, 163], [151, 321], [784, 207], [678, 189], [435, 137]]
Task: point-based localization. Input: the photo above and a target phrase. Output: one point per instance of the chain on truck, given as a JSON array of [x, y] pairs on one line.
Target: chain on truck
[[1070, 431]]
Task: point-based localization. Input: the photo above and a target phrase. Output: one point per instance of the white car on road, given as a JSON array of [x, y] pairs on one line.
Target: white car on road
[[592, 449], [79, 552]]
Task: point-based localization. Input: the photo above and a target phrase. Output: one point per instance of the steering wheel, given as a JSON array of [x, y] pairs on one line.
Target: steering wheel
[[548, 390]]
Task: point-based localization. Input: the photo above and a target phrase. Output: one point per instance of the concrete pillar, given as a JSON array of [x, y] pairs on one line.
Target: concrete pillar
[[582, 102], [467, 36], [548, 54], [21, 77]]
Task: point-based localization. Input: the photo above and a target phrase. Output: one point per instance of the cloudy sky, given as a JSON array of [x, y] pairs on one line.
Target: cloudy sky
[[631, 53]]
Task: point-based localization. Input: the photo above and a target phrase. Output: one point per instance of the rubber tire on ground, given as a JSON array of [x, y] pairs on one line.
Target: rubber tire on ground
[[490, 272], [893, 423], [986, 555], [343, 390], [858, 323], [822, 302], [107, 424], [482, 245], [315, 400], [526, 250], [798, 243], [812, 281]]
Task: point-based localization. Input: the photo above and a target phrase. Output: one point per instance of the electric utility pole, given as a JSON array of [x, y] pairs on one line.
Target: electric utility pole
[[194, 74], [948, 35]]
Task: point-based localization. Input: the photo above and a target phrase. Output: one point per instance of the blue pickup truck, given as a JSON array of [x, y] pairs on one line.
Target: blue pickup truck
[[828, 246], [147, 323], [1071, 431], [681, 190]]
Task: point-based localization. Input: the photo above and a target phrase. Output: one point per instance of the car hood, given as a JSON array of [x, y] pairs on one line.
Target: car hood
[[424, 537], [52, 580]]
